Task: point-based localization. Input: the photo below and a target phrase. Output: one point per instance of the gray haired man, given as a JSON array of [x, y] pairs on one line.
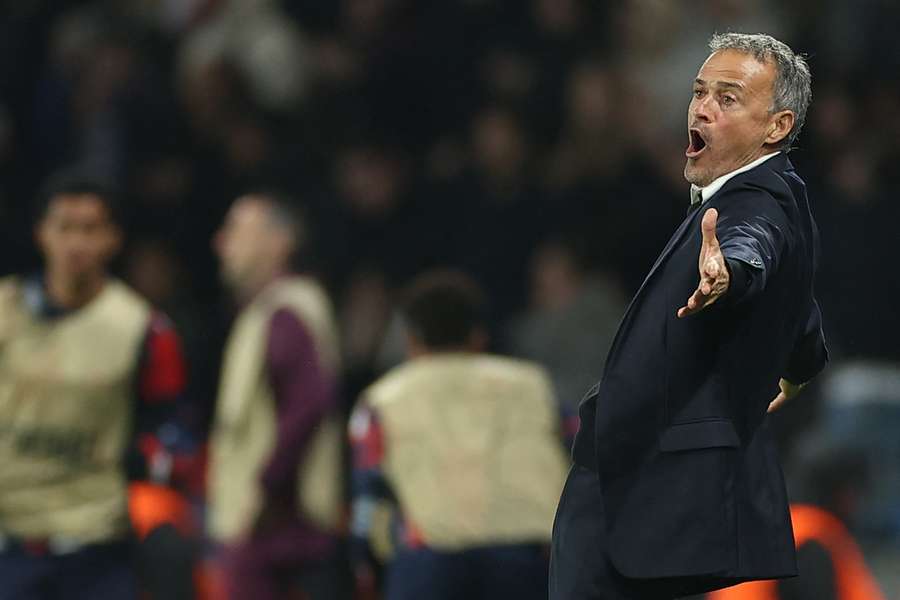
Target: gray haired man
[[676, 488]]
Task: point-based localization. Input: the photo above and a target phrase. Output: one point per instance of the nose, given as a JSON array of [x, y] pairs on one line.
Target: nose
[[702, 110]]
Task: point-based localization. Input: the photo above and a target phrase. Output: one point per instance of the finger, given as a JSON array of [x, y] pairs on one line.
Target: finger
[[779, 400], [695, 303], [708, 227], [709, 280]]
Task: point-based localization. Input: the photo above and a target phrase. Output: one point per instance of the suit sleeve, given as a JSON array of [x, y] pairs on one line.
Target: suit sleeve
[[810, 353], [753, 234]]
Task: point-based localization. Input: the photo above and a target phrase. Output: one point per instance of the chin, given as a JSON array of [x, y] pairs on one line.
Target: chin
[[692, 176]]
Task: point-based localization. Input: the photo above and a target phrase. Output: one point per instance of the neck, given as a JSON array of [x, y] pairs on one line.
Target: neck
[[247, 293], [71, 293], [420, 350], [743, 163], [753, 157]]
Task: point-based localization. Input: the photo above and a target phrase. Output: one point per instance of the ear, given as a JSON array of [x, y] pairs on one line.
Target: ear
[[478, 340], [38, 234], [780, 126], [41, 238], [114, 242], [217, 242], [414, 346]]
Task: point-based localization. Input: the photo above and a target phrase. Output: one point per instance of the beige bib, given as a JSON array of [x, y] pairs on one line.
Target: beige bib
[[245, 426], [66, 399], [473, 449]]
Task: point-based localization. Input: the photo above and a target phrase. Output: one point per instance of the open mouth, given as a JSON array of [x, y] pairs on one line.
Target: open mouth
[[696, 144]]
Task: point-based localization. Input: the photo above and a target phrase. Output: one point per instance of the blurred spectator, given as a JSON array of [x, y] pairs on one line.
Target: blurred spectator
[[275, 458], [861, 409], [153, 268], [596, 175], [496, 210], [373, 220], [451, 442], [570, 323], [265, 47]]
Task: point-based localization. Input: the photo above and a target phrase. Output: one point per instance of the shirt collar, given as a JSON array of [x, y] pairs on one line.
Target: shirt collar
[[38, 300], [702, 194]]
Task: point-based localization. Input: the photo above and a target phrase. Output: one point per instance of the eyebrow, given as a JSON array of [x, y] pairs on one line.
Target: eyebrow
[[727, 84]]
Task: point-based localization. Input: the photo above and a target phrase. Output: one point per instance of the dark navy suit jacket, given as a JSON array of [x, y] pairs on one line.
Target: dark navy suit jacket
[[676, 428]]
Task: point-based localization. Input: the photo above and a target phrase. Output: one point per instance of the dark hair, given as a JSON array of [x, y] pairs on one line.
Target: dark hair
[[71, 182], [444, 308], [286, 212]]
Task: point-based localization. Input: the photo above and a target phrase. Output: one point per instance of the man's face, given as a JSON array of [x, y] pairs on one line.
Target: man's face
[[729, 118], [77, 236], [249, 247]]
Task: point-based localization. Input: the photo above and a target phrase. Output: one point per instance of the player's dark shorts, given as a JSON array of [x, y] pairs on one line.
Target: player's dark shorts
[[36, 570], [512, 571]]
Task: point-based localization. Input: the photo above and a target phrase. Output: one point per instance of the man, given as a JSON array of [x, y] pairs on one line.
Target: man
[[676, 488], [275, 448], [466, 446], [88, 373]]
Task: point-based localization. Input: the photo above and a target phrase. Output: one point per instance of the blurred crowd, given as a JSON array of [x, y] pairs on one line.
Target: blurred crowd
[[537, 145]]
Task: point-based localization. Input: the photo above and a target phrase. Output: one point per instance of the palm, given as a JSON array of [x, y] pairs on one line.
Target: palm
[[714, 277]]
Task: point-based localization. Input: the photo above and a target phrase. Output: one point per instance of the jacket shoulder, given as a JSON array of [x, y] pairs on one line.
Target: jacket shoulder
[[768, 180], [757, 193]]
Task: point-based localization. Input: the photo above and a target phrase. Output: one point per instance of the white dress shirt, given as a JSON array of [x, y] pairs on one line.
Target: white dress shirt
[[702, 194]]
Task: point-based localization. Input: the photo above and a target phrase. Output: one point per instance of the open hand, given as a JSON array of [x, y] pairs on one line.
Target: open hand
[[714, 276]]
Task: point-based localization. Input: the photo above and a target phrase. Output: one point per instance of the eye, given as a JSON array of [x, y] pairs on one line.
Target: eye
[[727, 100], [698, 92]]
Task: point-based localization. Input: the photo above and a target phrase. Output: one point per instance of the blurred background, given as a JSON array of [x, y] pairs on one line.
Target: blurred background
[[537, 145]]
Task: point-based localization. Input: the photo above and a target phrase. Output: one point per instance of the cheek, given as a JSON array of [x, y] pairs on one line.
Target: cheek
[[736, 135], [238, 255], [57, 245], [107, 249]]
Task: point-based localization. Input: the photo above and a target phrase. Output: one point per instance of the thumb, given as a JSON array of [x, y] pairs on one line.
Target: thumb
[[708, 226], [775, 404]]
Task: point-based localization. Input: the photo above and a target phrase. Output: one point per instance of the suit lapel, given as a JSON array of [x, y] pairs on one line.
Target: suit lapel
[[676, 238]]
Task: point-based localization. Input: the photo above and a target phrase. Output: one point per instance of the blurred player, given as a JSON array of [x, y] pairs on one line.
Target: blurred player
[[467, 446], [275, 451], [87, 370]]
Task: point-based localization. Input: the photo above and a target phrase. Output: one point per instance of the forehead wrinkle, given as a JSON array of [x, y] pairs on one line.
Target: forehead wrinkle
[[747, 72], [739, 85]]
